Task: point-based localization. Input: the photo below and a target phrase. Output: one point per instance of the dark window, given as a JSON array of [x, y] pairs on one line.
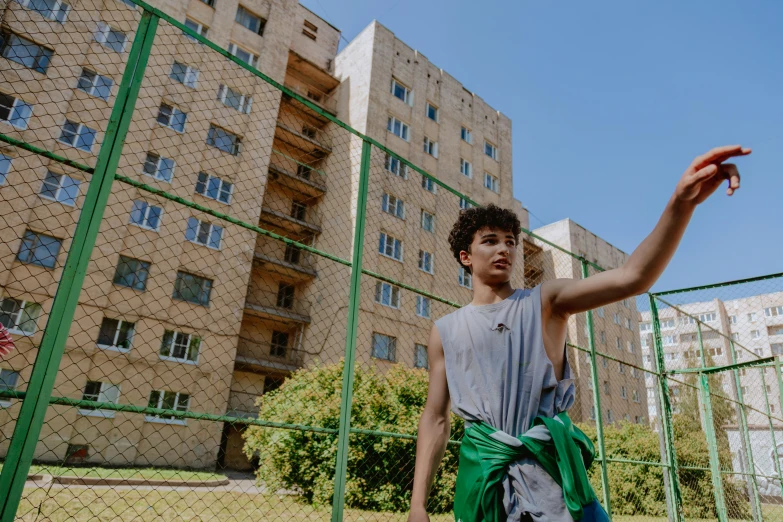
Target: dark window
[[292, 254], [192, 288], [132, 273], [39, 249], [25, 52], [272, 383], [279, 344], [285, 296]]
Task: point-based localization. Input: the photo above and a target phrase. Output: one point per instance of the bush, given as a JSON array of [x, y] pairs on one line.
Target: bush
[[380, 469]]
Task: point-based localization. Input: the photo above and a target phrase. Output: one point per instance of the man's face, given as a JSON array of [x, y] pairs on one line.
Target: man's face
[[492, 255]]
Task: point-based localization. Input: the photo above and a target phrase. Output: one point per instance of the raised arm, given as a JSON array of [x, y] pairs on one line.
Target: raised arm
[[701, 179], [434, 430]]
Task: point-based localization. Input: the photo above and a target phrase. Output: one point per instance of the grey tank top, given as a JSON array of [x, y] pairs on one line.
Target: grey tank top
[[498, 372]]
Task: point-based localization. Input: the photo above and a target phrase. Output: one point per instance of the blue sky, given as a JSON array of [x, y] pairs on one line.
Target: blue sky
[[611, 100]]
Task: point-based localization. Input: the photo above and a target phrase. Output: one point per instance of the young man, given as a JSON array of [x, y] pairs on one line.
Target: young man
[[500, 363]]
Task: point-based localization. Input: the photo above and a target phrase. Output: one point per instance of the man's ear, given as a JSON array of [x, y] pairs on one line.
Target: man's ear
[[464, 258]]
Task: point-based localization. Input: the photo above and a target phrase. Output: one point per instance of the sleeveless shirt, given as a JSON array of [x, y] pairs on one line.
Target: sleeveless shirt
[[498, 372]]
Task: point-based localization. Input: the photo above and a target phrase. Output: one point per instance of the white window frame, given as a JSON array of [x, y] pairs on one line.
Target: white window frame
[[437, 112], [708, 317], [465, 168], [755, 334], [418, 347], [200, 29], [6, 403], [393, 205], [407, 96], [773, 311], [384, 243], [250, 14], [391, 347], [426, 258], [245, 102], [160, 159], [668, 324], [396, 167], [425, 217], [428, 184], [173, 114], [114, 347], [23, 304], [464, 204], [423, 306], [220, 190], [466, 135], [430, 147], [59, 13], [102, 34], [752, 317], [96, 78], [491, 182], [190, 340], [5, 167], [191, 74], [103, 396], [145, 216], [199, 230], [237, 141], [669, 340], [492, 152], [465, 278], [18, 105], [233, 49], [60, 188], [80, 127], [405, 130], [160, 420], [383, 289]]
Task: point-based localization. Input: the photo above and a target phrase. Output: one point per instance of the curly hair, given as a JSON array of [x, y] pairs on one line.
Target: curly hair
[[472, 220]]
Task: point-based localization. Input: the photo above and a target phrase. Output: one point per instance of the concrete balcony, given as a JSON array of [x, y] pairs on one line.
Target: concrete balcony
[[324, 100], [276, 307], [306, 181], [287, 261], [263, 357], [242, 405], [305, 224], [313, 142]]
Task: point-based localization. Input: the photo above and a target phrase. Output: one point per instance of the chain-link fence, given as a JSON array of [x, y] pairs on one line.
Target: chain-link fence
[[221, 297]]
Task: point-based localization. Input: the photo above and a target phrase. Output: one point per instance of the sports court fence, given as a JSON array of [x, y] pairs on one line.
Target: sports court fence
[[205, 271]]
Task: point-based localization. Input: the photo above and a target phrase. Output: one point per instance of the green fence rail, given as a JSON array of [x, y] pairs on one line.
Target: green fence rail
[[208, 274]]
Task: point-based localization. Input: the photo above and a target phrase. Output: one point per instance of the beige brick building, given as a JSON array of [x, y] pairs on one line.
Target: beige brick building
[[184, 311], [615, 327]]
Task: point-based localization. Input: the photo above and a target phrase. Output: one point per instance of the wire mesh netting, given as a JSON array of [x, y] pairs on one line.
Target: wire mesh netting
[[194, 246]]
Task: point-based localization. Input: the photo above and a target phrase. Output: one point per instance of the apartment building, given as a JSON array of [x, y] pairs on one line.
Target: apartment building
[[180, 310], [615, 327]]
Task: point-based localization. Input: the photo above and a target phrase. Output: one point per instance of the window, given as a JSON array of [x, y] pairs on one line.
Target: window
[[634, 372], [423, 305], [668, 324], [466, 136], [645, 341], [184, 74], [132, 273], [396, 167], [425, 261], [623, 392], [250, 21], [15, 111], [622, 367], [707, 317], [773, 311], [776, 331], [129, 3], [465, 278], [285, 296], [309, 30], [179, 346], [210, 3], [618, 344], [732, 319], [490, 150], [203, 233], [167, 400], [214, 188], [432, 112], [606, 387], [752, 317], [56, 10], [616, 319], [95, 84], [491, 182], [5, 168], [758, 351], [603, 337], [464, 204], [465, 168], [631, 346], [427, 221], [192, 288], [430, 147], [398, 128], [391, 205], [159, 167], [116, 334], [223, 140], [243, 55], [387, 295], [39, 249], [645, 327], [172, 117], [755, 334], [420, 358], [669, 340], [197, 28], [234, 99], [25, 52], [110, 38], [99, 392], [428, 184], [600, 311], [61, 188], [8, 380], [384, 347], [77, 135], [402, 92], [390, 247], [604, 362], [145, 215], [609, 416], [271, 383], [292, 254], [19, 316], [299, 210], [735, 336], [279, 345]]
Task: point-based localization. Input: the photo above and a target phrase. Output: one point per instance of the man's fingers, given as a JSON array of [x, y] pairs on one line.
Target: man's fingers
[[730, 172], [705, 173], [718, 155]]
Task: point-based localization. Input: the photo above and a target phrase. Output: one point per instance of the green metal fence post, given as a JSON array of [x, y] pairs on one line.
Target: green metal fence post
[[47, 363], [748, 450], [346, 398], [665, 415], [599, 421], [712, 441], [771, 429]]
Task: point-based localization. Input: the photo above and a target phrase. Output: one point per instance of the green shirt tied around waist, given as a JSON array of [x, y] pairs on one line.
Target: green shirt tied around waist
[[561, 448]]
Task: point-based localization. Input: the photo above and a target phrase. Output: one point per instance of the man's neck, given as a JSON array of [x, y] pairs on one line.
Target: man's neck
[[484, 294]]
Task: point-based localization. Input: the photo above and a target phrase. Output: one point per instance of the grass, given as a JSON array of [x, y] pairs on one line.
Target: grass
[[135, 473], [82, 504]]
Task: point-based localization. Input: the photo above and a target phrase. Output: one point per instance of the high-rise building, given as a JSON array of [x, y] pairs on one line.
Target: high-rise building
[[184, 311]]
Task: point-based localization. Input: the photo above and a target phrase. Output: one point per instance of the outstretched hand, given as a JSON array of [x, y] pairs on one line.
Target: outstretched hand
[[703, 177]]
